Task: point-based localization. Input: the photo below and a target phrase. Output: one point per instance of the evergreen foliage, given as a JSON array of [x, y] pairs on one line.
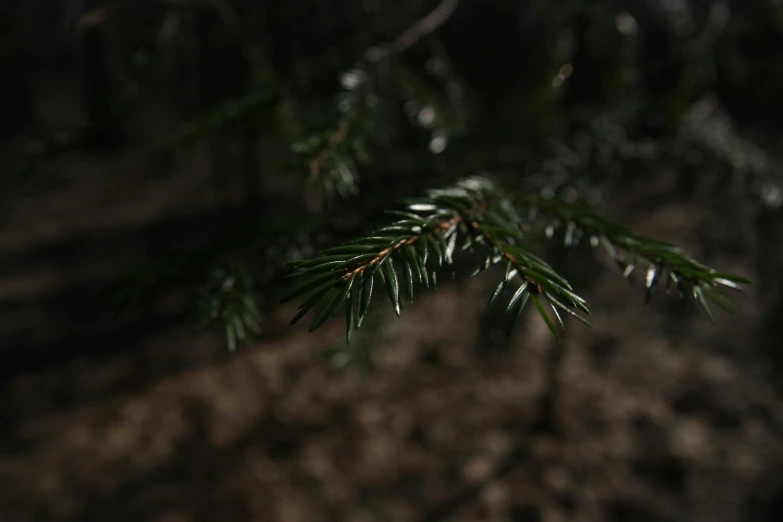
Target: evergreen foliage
[[472, 216]]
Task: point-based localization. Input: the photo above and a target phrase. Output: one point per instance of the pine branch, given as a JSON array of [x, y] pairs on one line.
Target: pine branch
[[225, 284], [410, 251], [221, 293], [331, 157], [539, 281], [232, 302], [662, 261], [367, 105], [475, 215]]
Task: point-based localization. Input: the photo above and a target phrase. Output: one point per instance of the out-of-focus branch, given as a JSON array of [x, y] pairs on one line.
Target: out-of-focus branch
[[421, 28], [704, 42]]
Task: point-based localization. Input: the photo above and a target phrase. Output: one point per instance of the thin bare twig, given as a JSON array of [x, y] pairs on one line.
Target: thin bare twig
[[421, 28]]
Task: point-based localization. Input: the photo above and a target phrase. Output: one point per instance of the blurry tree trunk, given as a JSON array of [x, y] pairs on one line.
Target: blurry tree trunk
[[103, 131], [770, 259], [16, 95], [224, 75], [546, 423], [211, 79]]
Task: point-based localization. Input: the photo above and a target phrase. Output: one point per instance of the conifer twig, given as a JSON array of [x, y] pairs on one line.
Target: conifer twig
[[471, 212], [664, 262]]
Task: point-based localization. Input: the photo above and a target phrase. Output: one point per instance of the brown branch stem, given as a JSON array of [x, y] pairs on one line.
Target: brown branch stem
[[334, 140], [444, 225]]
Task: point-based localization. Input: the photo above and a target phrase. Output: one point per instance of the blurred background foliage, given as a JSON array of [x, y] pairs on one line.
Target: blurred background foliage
[[307, 109], [314, 103], [313, 116]]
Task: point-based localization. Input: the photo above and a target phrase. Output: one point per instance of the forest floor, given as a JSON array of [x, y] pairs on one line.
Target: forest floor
[[654, 414]]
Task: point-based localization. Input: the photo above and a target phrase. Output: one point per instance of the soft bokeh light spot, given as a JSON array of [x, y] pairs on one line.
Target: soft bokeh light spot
[[438, 143], [426, 116], [772, 195], [626, 23], [350, 80]]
